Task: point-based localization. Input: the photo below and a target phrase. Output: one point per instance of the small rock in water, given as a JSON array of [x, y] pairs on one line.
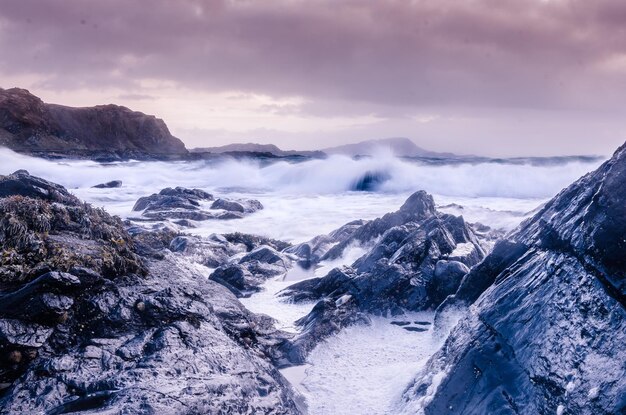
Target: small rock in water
[[108, 185], [415, 329]]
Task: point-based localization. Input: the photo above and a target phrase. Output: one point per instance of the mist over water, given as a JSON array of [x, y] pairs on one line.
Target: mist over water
[[312, 197]]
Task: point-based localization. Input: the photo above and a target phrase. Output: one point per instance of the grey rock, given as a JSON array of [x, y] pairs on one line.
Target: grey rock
[[251, 271], [211, 252], [109, 185], [237, 279], [246, 206], [447, 278], [548, 320], [192, 194], [327, 318], [158, 338], [313, 251], [183, 207], [398, 273], [21, 183], [265, 254]]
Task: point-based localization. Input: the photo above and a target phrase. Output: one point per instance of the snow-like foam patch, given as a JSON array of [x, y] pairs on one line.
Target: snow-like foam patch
[[350, 255], [266, 302], [365, 369], [283, 311], [463, 250]]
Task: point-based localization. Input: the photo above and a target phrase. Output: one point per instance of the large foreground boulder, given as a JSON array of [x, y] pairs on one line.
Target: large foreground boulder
[[547, 326], [89, 324]]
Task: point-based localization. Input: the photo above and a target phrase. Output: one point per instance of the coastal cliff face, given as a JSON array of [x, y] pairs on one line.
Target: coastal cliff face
[[546, 331], [29, 125]]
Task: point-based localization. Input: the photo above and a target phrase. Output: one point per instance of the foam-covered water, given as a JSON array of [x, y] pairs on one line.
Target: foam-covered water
[[305, 199], [363, 369]]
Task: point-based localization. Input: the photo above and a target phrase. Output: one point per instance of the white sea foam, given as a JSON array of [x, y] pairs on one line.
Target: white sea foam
[[336, 174], [365, 369], [309, 198]]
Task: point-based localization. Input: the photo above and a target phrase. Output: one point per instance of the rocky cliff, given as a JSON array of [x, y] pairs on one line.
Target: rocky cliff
[[29, 125], [546, 328]]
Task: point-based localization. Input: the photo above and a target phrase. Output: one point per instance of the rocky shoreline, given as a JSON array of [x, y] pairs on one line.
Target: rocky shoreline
[[93, 318], [100, 315]]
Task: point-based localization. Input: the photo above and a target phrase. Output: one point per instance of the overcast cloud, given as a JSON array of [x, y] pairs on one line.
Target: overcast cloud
[[481, 76]]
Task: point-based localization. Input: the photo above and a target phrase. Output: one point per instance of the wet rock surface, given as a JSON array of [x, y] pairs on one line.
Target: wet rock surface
[[44, 228], [408, 266], [110, 329], [416, 258], [184, 206], [314, 251], [246, 276], [109, 185], [548, 322]]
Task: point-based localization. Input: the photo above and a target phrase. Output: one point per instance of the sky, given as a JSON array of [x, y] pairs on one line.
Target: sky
[[489, 77]]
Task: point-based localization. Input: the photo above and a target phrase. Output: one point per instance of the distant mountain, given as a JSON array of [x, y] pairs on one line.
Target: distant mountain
[[399, 146], [256, 148], [29, 125]]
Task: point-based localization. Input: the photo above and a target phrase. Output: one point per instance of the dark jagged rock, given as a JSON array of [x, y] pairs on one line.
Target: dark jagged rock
[[109, 185], [418, 206], [183, 205], [504, 254], [265, 254], [21, 183], [252, 270], [447, 278], [548, 325], [171, 198], [417, 257], [313, 251], [82, 335], [335, 284], [43, 300], [27, 124], [399, 271]]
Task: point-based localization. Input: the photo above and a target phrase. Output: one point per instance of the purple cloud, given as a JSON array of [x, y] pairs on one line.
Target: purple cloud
[[400, 53]]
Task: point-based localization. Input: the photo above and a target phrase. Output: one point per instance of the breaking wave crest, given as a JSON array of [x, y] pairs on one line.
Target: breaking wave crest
[[335, 174]]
